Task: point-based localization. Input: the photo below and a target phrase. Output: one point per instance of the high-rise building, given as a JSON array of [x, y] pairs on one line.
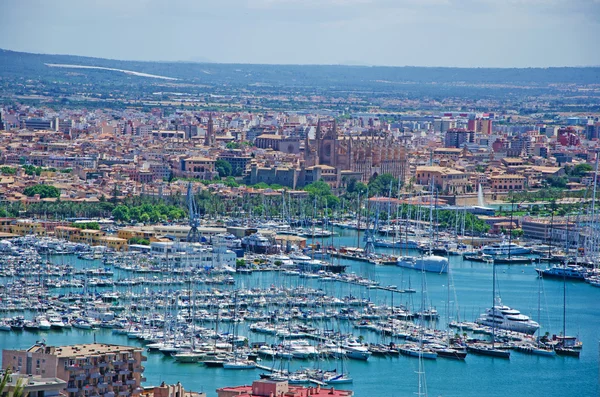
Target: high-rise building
[[592, 131], [481, 125], [457, 138]]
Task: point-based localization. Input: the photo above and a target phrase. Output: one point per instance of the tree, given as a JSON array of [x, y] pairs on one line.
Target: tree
[[4, 381], [517, 233], [45, 191], [557, 181], [380, 185], [138, 240], [223, 168], [18, 390], [581, 169], [230, 182], [8, 170], [318, 188], [121, 213], [87, 225]]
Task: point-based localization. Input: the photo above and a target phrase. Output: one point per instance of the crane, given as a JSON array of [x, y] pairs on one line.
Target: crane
[[193, 235]]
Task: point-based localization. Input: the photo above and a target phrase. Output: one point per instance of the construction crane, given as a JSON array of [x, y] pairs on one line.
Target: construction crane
[[193, 235]]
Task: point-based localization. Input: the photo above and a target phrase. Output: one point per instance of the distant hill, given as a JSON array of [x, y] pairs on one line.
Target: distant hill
[[26, 65]]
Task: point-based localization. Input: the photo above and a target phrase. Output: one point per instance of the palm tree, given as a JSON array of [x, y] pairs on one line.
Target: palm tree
[[19, 389], [4, 381]]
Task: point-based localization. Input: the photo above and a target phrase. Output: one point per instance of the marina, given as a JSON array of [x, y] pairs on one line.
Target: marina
[[218, 326]]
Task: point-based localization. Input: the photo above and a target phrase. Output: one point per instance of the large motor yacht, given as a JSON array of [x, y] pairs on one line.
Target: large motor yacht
[[428, 263], [572, 272], [503, 317], [505, 248]]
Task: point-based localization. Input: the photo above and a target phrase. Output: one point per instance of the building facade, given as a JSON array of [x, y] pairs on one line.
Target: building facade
[[369, 155], [88, 369]]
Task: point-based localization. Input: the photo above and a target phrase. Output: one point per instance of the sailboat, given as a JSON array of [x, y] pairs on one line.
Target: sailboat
[[237, 362], [538, 349], [509, 248], [484, 349], [426, 262], [448, 351], [565, 345], [414, 349]]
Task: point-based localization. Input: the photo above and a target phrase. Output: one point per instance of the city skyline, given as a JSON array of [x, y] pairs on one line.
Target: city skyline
[[475, 33]]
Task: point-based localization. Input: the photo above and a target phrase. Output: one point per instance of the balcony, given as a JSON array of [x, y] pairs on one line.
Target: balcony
[[72, 389], [118, 362], [102, 365], [131, 382], [81, 377], [74, 367], [144, 358], [95, 375], [88, 366], [109, 394], [124, 372], [139, 369], [131, 361], [124, 393], [143, 379], [102, 385], [117, 383]]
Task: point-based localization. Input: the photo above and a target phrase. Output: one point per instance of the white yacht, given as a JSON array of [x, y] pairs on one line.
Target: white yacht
[[256, 243], [428, 263], [505, 248], [281, 260], [356, 350], [43, 323], [503, 317], [571, 272], [239, 364]]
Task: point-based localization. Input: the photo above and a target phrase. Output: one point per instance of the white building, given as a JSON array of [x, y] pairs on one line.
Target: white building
[[193, 255]]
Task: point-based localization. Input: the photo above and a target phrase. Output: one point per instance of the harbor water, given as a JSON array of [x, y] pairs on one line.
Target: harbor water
[[470, 294]]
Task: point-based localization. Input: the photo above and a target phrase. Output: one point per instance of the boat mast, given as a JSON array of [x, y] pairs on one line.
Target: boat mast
[[565, 285], [422, 381], [358, 222], [512, 203], [431, 218], [593, 236], [493, 302]]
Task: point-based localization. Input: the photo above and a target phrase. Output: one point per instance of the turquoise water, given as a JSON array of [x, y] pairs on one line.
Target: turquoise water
[[522, 375]]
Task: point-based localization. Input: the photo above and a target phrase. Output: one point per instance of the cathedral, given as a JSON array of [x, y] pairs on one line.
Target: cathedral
[[368, 154]]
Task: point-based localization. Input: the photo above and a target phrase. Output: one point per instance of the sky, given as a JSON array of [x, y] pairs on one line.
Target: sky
[[462, 33]]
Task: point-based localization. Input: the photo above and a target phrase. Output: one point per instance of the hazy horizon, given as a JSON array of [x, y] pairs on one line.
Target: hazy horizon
[[419, 33]]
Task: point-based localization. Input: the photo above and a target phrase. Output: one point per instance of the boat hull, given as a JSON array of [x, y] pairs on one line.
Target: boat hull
[[433, 263], [484, 351]]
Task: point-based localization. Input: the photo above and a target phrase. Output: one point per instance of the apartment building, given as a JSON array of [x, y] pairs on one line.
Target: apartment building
[[91, 237], [507, 182], [95, 369], [446, 180], [198, 167]]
